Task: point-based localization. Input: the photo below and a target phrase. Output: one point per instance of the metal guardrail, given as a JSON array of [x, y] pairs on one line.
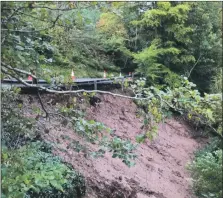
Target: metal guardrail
[[76, 83]]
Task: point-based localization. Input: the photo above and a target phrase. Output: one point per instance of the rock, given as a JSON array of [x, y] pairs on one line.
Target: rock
[[149, 158]]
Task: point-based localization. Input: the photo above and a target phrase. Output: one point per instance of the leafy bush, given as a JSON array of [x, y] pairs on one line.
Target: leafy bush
[[214, 145], [123, 149], [28, 168], [16, 128], [32, 172], [207, 174], [201, 111], [90, 129]]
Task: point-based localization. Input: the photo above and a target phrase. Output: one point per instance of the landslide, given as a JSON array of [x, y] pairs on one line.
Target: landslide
[[160, 166]]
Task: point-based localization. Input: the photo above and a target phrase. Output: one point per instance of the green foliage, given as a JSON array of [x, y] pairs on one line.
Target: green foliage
[[71, 112], [123, 150], [76, 146], [94, 132], [203, 112], [30, 171], [216, 86], [170, 34], [172, 24], [90, 129], [157, 39], [207, 174], [98, 133], [148, 60], [185, 100], [206, 21], [28, 168], [28, 48], [111, 24], [87, 57], [15, 127], [213, 145]]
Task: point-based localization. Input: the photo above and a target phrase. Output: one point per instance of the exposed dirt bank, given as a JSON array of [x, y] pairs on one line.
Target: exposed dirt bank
[[160, 167]]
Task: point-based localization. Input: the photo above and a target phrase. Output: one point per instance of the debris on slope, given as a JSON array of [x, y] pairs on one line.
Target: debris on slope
[[160, 166]]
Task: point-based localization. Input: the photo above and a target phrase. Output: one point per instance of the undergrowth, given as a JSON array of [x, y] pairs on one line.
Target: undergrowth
[[29, 169], [206, 170]]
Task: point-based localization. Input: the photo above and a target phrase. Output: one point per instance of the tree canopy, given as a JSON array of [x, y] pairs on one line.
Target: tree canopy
[[157, 40]]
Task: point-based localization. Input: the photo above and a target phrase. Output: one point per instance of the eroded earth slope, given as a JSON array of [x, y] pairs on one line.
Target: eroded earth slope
[[160, 170]]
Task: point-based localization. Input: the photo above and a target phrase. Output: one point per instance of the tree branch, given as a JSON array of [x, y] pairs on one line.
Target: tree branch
[[46, 7], [17, 70], [40, 7], [60, 9], [29, 15], [64, 92], [41, 103], [26, 31], [193, 67], [89, 91], [15, 11]]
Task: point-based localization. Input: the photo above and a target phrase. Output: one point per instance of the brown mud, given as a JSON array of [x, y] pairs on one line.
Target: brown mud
[[160, 170]]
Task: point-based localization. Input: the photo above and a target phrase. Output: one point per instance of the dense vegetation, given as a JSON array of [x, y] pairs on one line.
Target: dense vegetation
[[28, 167], [175, 46], [207, 170], [156, 39]]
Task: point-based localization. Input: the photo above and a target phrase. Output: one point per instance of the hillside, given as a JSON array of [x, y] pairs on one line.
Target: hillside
[[157, 134], [160, 170]]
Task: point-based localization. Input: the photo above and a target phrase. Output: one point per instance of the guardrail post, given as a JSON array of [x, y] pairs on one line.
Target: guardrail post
[[95, 85]]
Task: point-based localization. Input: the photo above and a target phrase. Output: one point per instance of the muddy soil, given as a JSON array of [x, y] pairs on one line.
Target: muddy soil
[[160, 170]]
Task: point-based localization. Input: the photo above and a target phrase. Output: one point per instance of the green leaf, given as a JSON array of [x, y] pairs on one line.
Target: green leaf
[[114, 155], [94, 2], [146, 121], [51, 177], [209, 113], [131, 164], [140, 138], [18, 47], [91, 122], [55, 184]]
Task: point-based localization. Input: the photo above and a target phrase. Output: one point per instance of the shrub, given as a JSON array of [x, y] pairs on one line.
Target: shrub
[[28, 168], [124, 150], [207, 174], [32, 172], [16, 128], [214, 144]]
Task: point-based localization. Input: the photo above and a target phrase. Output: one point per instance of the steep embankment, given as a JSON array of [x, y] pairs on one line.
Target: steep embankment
[[160, 167]]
